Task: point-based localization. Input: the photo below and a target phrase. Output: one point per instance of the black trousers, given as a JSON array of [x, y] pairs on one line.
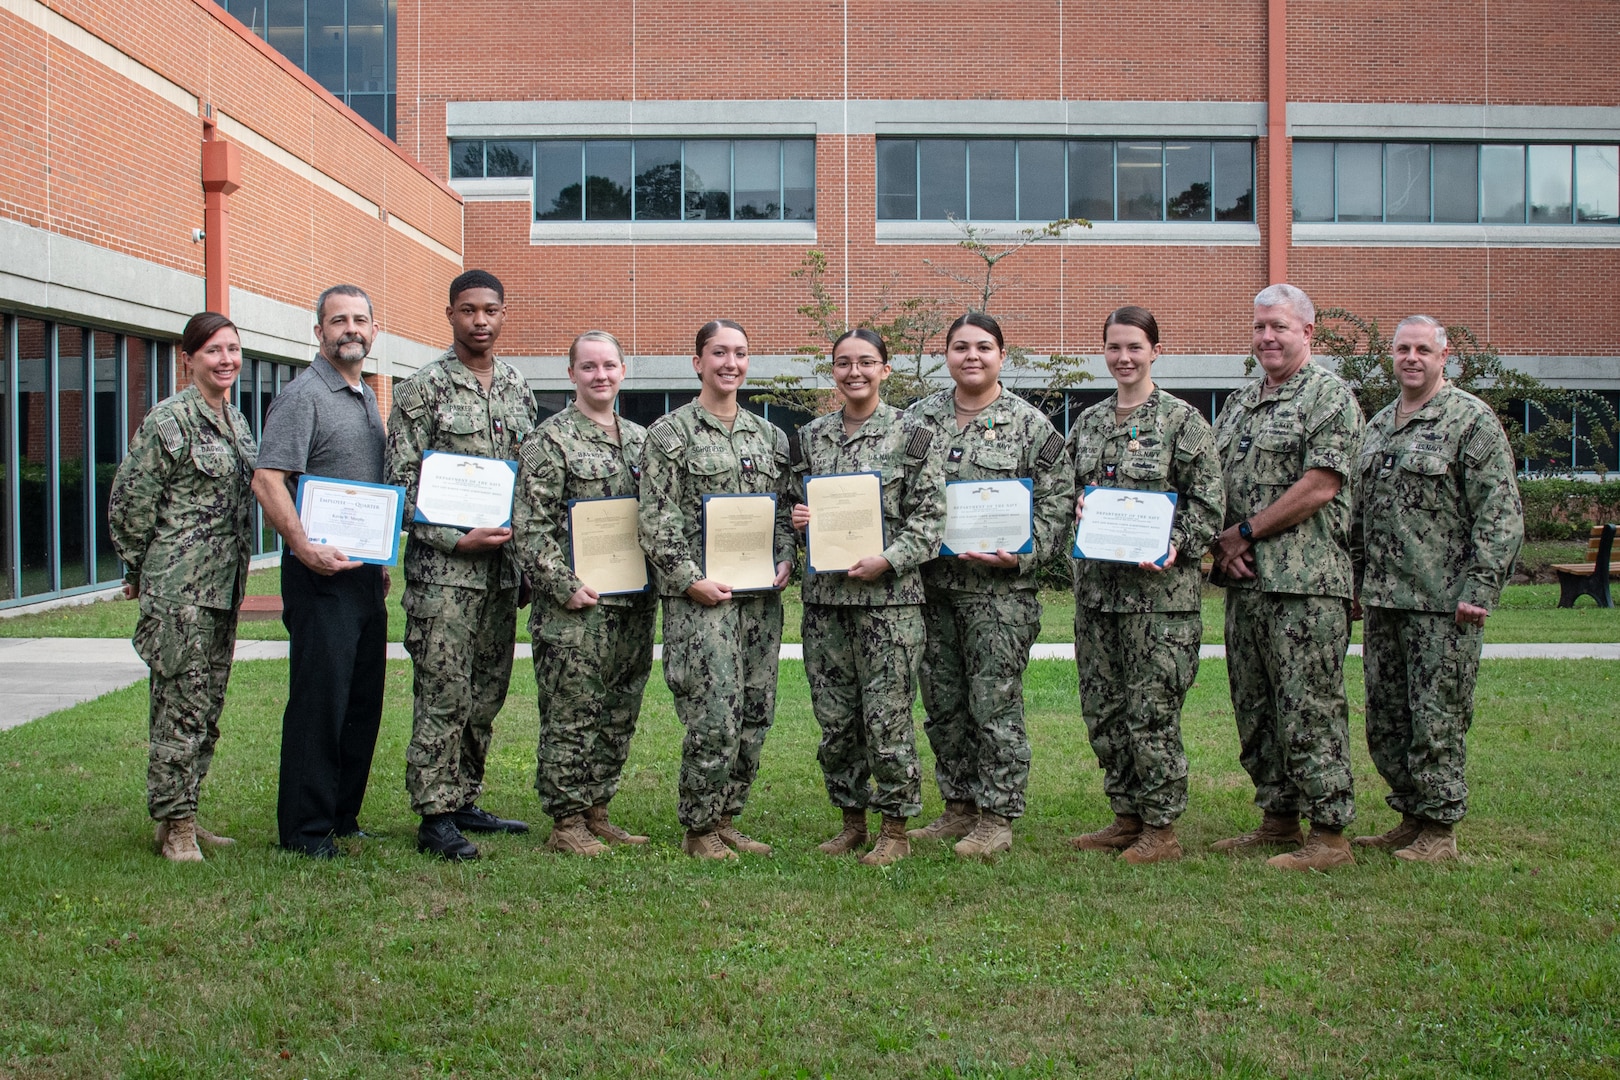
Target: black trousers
[[337, 657]]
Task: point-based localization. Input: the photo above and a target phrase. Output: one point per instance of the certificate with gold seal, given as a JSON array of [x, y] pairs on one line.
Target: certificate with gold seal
[[359, 519], [989, 516], [465, 492], [1125, 526]]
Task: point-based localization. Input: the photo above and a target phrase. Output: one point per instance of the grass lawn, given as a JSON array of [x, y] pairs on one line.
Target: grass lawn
[[386, 964]]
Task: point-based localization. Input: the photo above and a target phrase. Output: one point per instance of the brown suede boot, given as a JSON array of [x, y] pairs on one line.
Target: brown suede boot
[[596, 820], [990, 836], [1436, 842], [706, 844], [891, 846], [957, 820], [1276, 830], [852, 838], [1116, 837], [1157, 843], [1398, 837], [569, 836], [739, 841], [1324, 849], [203, 836], [180, 841]]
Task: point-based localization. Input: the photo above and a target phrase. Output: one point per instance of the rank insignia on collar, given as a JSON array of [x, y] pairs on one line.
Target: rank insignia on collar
[[955, 454], [747, 463]]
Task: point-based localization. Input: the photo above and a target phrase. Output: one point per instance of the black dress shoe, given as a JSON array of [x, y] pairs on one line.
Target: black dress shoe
[[323, 850], [439, 835], [473, 818]]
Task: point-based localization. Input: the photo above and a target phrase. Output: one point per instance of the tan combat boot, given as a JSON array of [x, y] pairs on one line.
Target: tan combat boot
[[203, 836], [569, 836], [739, 841], [596, 820], [1116, 837], [180, 841], [1435, 842], [706, 844], [991, 836], [957, 820], [891, 846], [1324, 849], [852, 838], [1276, 830], [1398, 837], [1156, 844]]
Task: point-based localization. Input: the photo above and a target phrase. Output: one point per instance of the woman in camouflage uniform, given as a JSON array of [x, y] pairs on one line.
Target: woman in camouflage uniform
[[863, 629], [592, 653], [1137, 627], [180, 515]]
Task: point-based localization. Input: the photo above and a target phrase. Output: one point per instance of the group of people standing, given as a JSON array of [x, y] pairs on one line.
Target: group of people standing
[[1308, 520]]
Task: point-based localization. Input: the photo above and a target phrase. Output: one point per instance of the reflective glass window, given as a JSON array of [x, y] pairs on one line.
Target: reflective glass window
[[1597, 183], [799, 179], [607, 180], [557, 181], [106, 449], [1234, 181], [509, 158], [1141, 181], [1406, 182], [1313, 181], [992, 175], [1188, 182], [73, 462], [1456, 182], [708, 180], [942, 177], [368, 52], [33, 454], [1550, 183], [325, 44], [1501, 182], [1040, 180], [658, 180], [897, 179], [6, 590], [285, 19], [466, 158], [1091, 180], [757, 171], [1360, 181]]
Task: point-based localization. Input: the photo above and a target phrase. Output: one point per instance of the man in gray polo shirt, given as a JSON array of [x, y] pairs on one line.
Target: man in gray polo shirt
[[326, 423]]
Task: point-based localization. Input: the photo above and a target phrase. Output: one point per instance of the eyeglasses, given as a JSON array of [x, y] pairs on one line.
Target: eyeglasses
[[841, 367]]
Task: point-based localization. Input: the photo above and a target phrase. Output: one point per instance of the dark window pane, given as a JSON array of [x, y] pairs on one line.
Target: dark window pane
[[708, 179], [607, 181], [137, 396], [1597, 183], [1091, 180], [1187, 181], [6, 592], [641, 406], [992, 193], [368, 58], [799, 179], [1040, 180], [658, 180], [758, 178], [72, 438], [372, 109], [1141, 181], [326, 44], [1361, 182], [286, 28], [267, 373], [509, 158], [466, 158], [1234, 181], [1550, 200], [1406, 182], [897, 179], [1456, 182], [557, 181], [33, 440], [942, 169], [1501, 173], [1313, 181], [391, 22], [106, 449]]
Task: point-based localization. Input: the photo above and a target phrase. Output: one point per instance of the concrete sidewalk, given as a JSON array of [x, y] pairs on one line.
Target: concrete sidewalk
[[41, 675]]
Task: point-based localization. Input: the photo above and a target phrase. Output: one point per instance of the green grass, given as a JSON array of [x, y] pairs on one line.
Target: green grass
[[385, 964]]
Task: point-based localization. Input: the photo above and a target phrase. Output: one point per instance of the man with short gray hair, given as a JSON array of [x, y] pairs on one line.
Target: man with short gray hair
[[1438, 523], [325, 423], [1288, 442]]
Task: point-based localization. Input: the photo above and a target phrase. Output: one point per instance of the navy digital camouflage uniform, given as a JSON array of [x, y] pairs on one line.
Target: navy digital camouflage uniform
[[180, 514], [460, 609], [863, 641], [720, 662], [590, 665], [1287, 630], [981, 620], [1137, 632], [1438, 520]]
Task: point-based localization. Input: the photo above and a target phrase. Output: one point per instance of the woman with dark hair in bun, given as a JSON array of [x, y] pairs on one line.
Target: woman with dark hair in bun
[[982, 612], [1137, 627], [863, 627], [180, 514], [720, 645]]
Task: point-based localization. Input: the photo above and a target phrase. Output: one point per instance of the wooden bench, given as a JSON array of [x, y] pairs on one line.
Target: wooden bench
[[260, 608], [1592, 577]]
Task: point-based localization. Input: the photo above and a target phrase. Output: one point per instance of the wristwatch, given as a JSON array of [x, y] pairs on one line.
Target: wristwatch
[[1245, 532]]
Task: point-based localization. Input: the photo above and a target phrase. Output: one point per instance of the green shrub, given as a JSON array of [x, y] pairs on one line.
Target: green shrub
[[1567, 509]]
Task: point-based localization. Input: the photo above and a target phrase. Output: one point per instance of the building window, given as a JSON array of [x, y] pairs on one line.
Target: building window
[[652, 179], [1457, 183], [348, 46], [1046, 179]]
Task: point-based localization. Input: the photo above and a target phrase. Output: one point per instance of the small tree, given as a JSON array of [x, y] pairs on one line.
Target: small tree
[[1367, 363]]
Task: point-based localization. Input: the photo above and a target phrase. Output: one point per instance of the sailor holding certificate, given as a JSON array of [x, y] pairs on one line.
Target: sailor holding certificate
[[863, 627], [461, 585], [592, 620], [1136, 625], [715, 524], [981, 612]]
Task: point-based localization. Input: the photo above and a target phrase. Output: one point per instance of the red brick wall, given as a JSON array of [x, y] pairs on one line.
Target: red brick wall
[[96, 157]]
